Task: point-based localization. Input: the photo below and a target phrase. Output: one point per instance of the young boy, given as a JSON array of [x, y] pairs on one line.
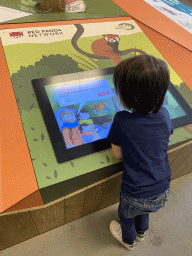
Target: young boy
[[141, 139]]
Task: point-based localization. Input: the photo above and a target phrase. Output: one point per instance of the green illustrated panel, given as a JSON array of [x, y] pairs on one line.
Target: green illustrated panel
[[39, 52], [22, 11]]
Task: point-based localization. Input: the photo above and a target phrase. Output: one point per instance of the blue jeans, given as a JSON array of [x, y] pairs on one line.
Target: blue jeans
[[134, 213]]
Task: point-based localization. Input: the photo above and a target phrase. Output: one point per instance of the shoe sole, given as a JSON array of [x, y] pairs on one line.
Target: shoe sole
[[130, 248]]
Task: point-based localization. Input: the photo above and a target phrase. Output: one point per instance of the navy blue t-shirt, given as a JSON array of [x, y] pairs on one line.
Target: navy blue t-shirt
[[144, 140]]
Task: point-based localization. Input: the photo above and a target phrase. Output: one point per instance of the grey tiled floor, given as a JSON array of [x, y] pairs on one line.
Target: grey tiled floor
[[169, 234]]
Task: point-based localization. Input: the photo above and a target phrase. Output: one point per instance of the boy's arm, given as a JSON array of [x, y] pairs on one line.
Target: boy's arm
[[117, 151]]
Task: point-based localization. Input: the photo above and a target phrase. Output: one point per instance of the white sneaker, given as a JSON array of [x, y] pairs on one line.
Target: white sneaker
[[116, 231], [75, 6], [140, 237]]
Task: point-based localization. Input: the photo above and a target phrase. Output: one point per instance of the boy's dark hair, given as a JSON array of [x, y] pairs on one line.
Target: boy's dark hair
[[141, 83]]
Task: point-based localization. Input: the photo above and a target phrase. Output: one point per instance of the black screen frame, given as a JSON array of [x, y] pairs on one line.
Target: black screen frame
[[61, 152]]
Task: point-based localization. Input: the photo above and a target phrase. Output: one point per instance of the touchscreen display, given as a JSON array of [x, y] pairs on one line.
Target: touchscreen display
[[173, 107], [84, 109]]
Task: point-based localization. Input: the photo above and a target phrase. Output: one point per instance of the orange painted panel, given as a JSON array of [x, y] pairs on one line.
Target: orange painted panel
[[17, 175], [148, 15]]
